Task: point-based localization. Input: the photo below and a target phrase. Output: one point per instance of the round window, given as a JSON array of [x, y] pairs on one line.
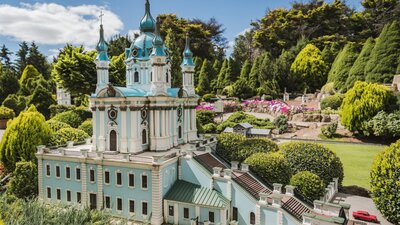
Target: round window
[[112, 114], [143, 114]]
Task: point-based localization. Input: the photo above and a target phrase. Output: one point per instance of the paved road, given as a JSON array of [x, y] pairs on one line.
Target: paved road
[[361, 203]]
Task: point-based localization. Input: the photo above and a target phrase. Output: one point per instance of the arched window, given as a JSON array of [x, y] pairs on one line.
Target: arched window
[[113, 141], [136, 77], [252, 218], [151, 76], [144, 136], [166, 77], [180, 132]]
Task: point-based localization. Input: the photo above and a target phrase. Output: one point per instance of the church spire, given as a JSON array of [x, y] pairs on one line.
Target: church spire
[[102, 45], [187, 54], [148, 23], [158, 43]]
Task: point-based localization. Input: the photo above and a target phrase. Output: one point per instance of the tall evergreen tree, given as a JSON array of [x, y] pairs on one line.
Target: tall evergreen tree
[[30, 72], [381, 67], [5, 56], [171, 41], [22, 56], [117, 45], [254, 82], [214, 80], [118, 70], [42, 99], [330, 52], [8, 83], [342, 65], [38, 60], [245, 71], [310, 67], [221, 83], [357, 71], [198, 62], [204, 82]]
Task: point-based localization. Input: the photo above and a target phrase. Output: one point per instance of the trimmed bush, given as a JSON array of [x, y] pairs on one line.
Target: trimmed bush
[[308, 184], [333, 101], [64, 135], [210, 128], [281, 122], [383, 125], [249, 147], [55, 125], [56, 109], [87, 126], [228, 144], [315, 158], [385, 184], [6, 113], [16, 103], [329, 130], [221, 127], [23, 182], [22, 136], [241, 117], [205, 116], [208, 97], [70, 117], [272, 167]]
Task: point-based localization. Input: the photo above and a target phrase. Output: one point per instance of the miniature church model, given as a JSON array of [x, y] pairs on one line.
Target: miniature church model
[[145, 162]]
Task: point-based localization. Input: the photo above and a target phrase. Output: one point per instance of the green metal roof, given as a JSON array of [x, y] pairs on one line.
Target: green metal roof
[[186, 192]]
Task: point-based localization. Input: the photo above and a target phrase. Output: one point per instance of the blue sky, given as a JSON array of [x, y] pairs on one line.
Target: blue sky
[[52, 23]]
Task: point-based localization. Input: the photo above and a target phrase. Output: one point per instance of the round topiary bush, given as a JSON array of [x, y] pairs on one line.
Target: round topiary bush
[[385, 182], [210, 128], [64, 135], [255, 145], [6, 113], [228, 145], [55, 125], [333, 101], [308, 184], [87, 126], [205, 116], [70, 117], [315, 158], [272, 167]]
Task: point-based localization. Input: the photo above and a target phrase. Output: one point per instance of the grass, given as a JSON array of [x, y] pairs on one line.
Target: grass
[[357, 160]]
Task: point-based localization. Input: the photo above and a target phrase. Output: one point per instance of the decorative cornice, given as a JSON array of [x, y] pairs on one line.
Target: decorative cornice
[[102, 108]]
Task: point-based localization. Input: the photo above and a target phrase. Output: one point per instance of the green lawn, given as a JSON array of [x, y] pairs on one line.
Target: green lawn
[[357, 160]]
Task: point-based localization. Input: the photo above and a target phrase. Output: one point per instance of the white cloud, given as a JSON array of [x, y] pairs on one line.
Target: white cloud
[[132, 33], [54, 24], [243, 31]]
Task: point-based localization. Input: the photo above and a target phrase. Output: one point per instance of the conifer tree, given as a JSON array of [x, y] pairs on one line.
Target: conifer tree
[[245, 71], [30, 72], [38, 60], [198, 62], [221, 82], [42, 100], [214, 78], [342, 65], [22, 56], [357, 71], [5, 56], [171, 41], [310, 67], [254, 82], [118, 70], [329, 53], [22, 136], [8, 83], [382, 67], [204, 83]]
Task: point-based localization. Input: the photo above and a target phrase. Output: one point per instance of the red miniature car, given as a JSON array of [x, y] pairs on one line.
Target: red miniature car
[[363, 215]]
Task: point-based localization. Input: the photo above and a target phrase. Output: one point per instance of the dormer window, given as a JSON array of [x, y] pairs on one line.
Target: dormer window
[[136, 77]]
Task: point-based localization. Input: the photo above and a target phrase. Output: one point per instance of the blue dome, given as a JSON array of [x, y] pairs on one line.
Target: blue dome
[[102, 47], [142, 46], [148, 24]]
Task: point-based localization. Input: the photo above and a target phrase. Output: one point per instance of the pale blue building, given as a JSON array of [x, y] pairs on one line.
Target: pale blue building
[[146, 163]]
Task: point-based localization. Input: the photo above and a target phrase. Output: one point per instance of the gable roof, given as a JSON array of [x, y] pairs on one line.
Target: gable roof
[[183, 191], [260, 131], [252, 185], [244, 125]]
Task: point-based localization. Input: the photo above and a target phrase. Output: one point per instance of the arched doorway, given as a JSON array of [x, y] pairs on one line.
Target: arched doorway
[[180, 132], [144, 136], [113, 141]]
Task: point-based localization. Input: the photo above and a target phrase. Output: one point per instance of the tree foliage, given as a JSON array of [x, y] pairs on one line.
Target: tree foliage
[[228, 145], [29, 73], [71, 118], [342, 65], [62, 136], [42, 99], [118, 70], [87, 126], [310, 67], [8, 83], [75, 70], [333, 101], [385, 185], [384, 57], [22, 136], [357, 71], [383, 124], [315, 158], [308, 185], [24, 182], [16, 103], [272, 167], [204, 78], [362, 102], [205, 116]]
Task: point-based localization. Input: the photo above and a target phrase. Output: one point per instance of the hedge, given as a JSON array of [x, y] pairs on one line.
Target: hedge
[[64, 135], [308, 184]]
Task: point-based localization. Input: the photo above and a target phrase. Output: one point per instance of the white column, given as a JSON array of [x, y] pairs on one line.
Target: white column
[[102, 131], [99, 187], [258, 215], [124, 147], [94, 139], [84, 184], [40, 177], [156, 178], [223, 216], [197, 209], [152, 123], [163, 123], [157, 123], [176, 213]]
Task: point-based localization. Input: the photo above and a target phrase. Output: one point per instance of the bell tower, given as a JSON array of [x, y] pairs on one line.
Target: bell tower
[[102, 61], [160, 76], [188, 69]]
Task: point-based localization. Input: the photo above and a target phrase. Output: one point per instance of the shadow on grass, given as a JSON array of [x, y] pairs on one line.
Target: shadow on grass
[[355, 190]]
